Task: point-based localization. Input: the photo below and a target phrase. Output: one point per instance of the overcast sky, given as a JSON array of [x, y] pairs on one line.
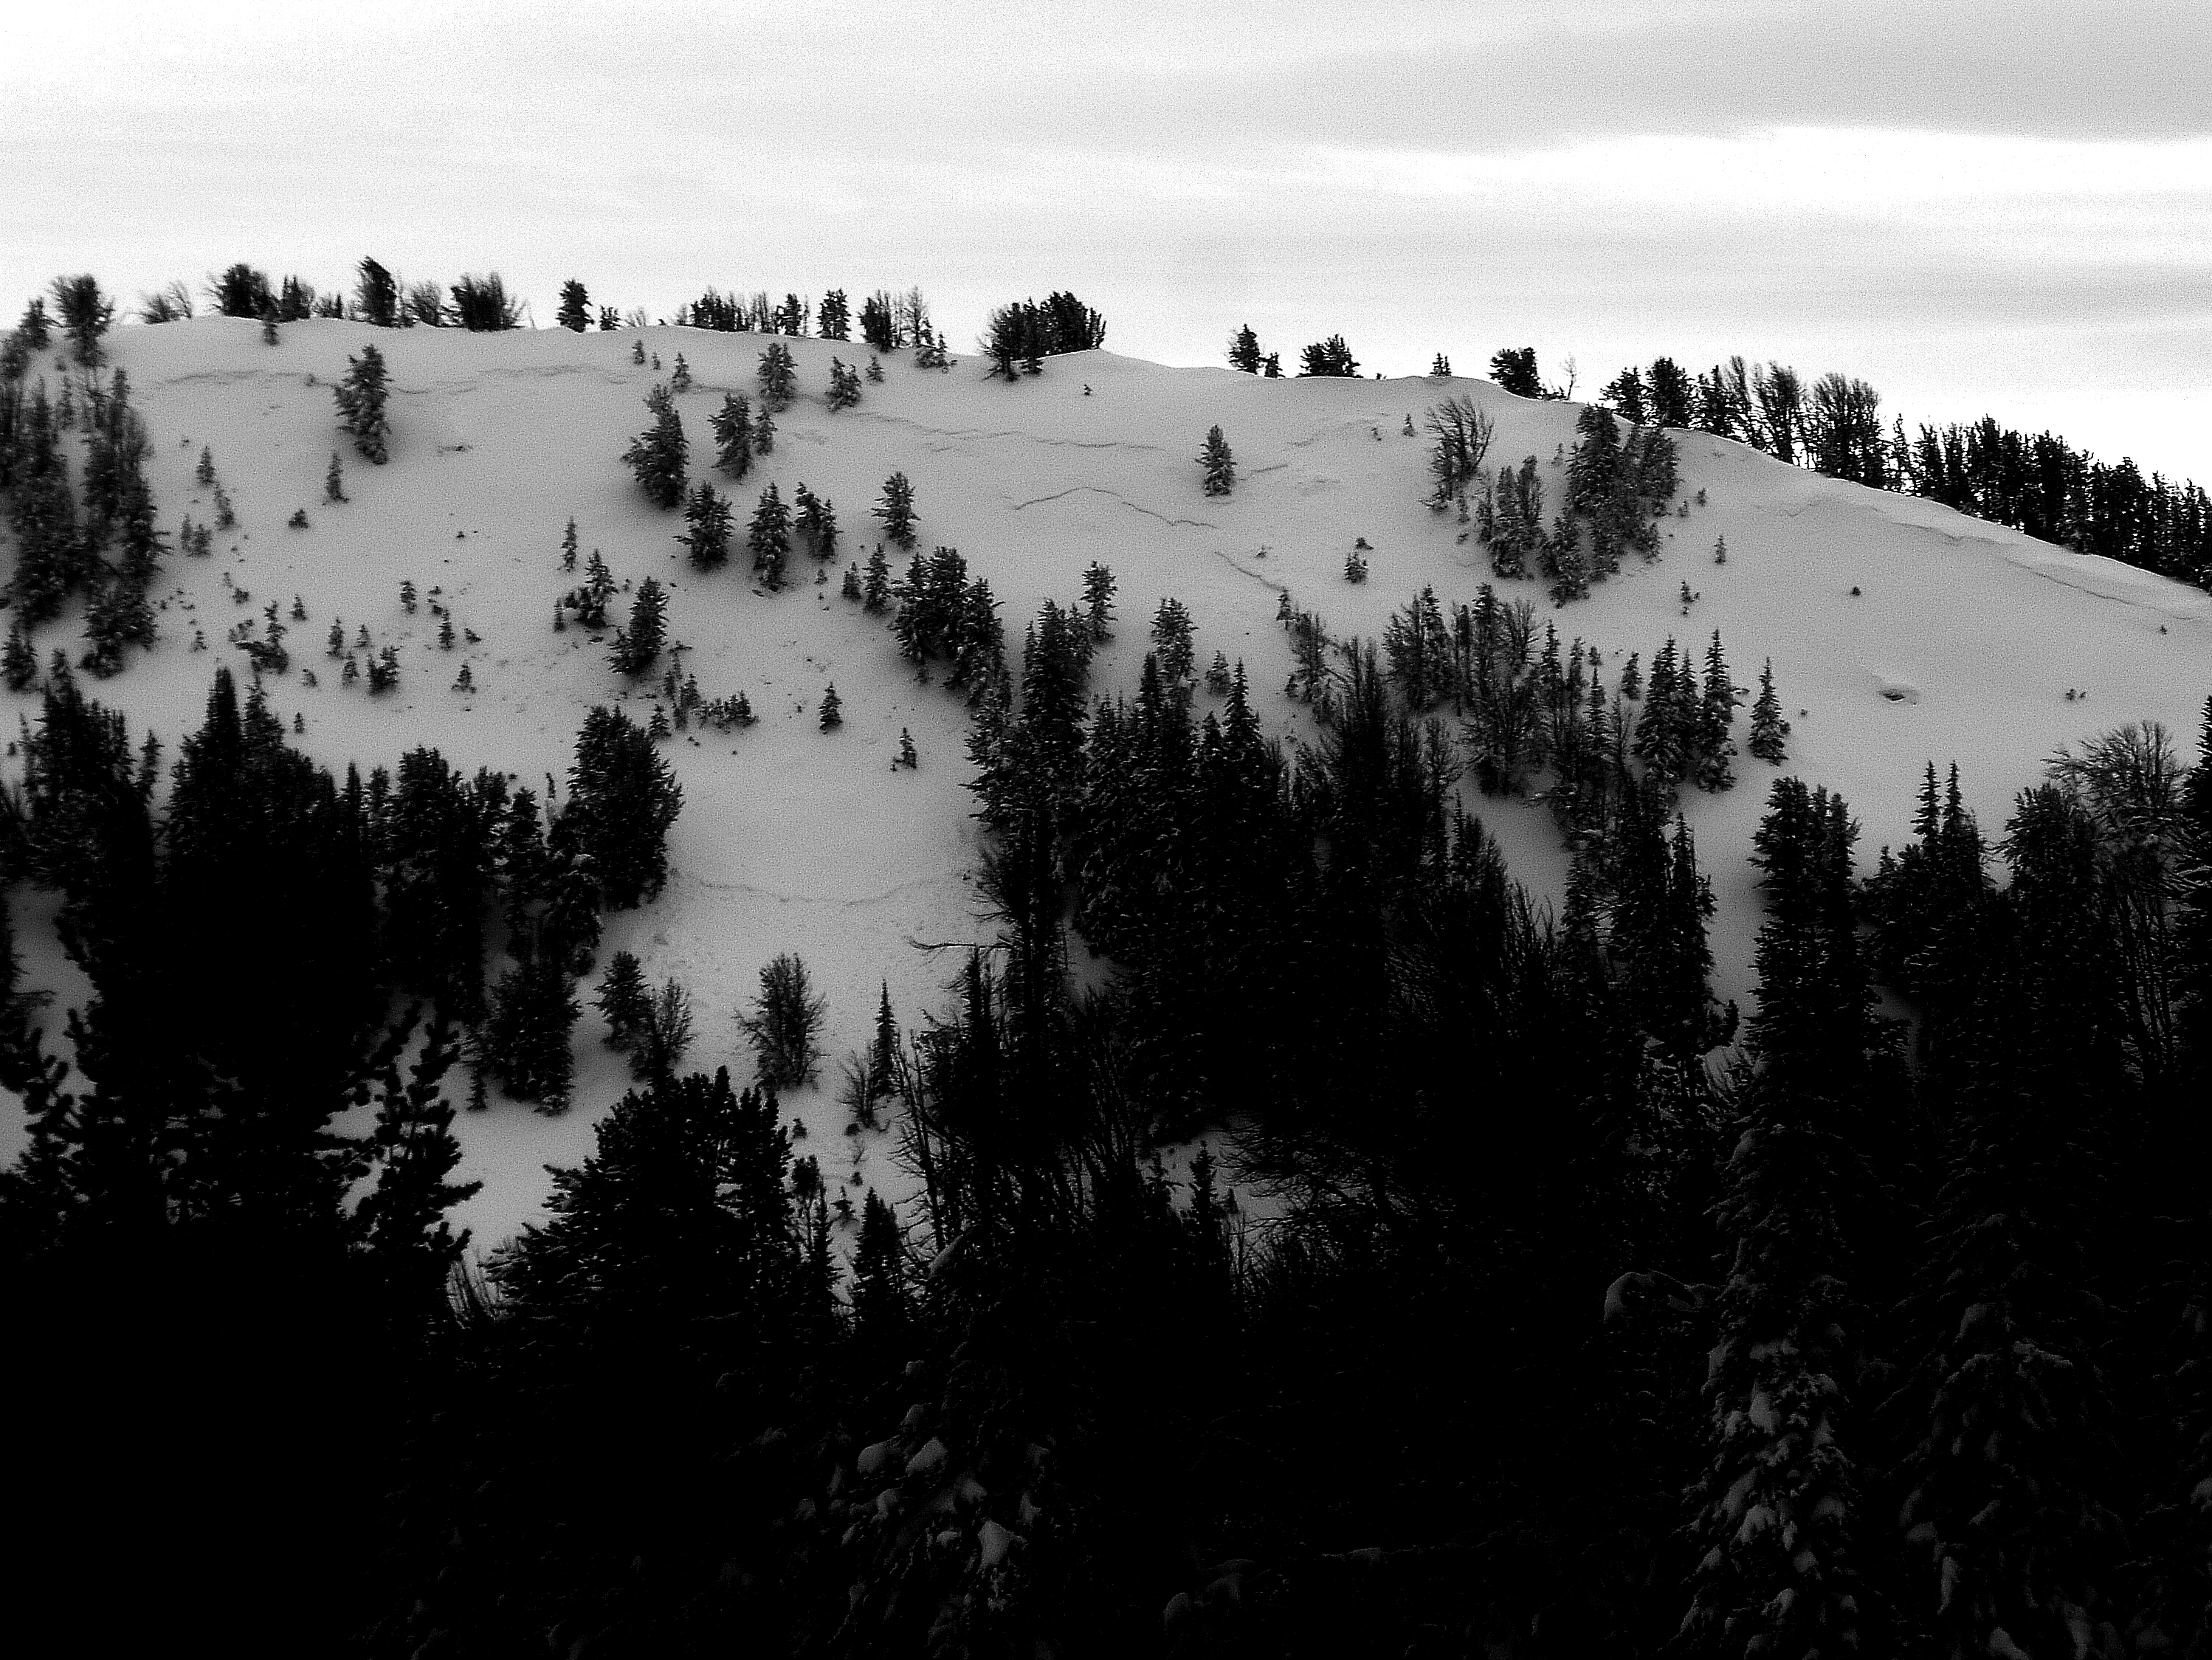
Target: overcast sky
[[1978, 207]]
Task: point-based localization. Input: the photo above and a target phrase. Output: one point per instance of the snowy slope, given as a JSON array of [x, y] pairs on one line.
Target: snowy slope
[[1962, 643]]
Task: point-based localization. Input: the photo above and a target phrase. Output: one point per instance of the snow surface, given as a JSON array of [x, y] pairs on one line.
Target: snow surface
[[1962, 642]]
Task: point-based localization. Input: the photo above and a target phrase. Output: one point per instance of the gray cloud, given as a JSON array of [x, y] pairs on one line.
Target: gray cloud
[[1421, 177]]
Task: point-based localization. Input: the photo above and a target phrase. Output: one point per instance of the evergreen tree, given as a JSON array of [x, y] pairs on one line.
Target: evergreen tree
[[769, 536], [1244, 350], [844, 385], [1330, 357], [658, 455], [84, 312], [622, 799], [833, 317], [1220, 465], [1514, 369], [568, 545], [1768, 728], [637, 647], [1717, 704], [1097, 600], [1171, 645], [483, 304], [376, 296], [334, 481], [778, 377], [784, 1022], [832, 708], [403, 1216], [897, 510], [2010, 1484], [707, 516], [882, 1307], [623, 1001], [361, 403], [526, 1042], [19, 663], [680, 382], [876, 592], [733, 434], [575, 312]]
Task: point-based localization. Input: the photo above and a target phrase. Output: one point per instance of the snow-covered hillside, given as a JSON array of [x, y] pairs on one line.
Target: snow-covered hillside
[[1902, 630]]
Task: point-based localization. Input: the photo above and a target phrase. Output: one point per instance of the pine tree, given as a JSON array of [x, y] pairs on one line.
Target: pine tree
[[833, 317], [1779, 1503], [568, 545], [19, 663], [707, 516], [1098, 600], [575, 312], [876, 592], [84, 312], [907, 757], [1768, 728], [1716, 714], [680, 382], [204, 473], [733, 436], [2009, 1488], [1441, 367], [403, 1217], [769, 536], [844, 385], [783, 1024], [897, 510], [882, 1307], [1244, 350], [359, 399], [1220, 465], [334, 481], [637, 647], [778, 377], [1171, 643], [622, 1001], [1329, 357], [376, 296], [526, 1042], [658, 455], [831, 712], [622, 799]]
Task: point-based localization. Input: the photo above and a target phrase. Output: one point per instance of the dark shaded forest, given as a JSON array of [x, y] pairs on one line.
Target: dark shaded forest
[[1580, 1332], [1595, 1317]]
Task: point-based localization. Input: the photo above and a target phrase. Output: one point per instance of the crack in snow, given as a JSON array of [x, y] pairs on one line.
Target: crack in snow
[[1116, 496], [692, 878], [1267, 582]]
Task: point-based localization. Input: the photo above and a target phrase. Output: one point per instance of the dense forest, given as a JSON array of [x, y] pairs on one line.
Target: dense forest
[[1599, 1318]]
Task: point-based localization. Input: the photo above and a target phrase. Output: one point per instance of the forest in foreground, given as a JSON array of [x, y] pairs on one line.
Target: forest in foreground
[[1596, 1315]]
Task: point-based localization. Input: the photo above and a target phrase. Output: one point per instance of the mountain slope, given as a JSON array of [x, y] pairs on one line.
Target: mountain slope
[[1962, 640]]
